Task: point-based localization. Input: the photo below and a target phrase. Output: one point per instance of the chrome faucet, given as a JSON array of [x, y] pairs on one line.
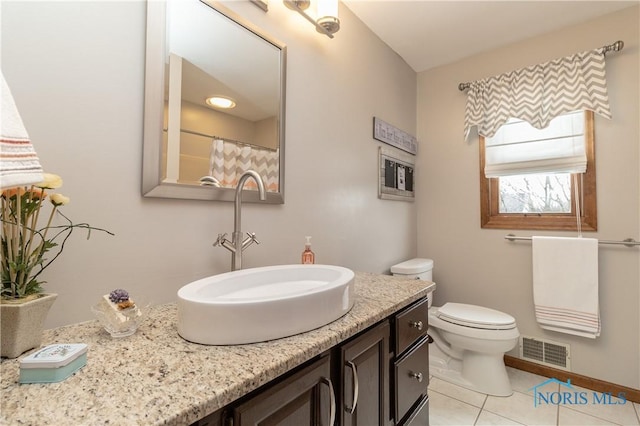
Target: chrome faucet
[[237, 245]]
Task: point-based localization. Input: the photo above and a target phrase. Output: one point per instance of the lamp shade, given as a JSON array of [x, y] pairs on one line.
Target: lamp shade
[[19, 164], [327, 8]]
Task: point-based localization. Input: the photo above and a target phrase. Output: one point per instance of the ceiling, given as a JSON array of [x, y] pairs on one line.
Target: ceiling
[[427, 33]]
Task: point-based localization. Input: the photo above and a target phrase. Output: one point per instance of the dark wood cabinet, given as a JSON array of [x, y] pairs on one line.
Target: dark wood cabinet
[[411, 324], [411, 365], [364, 379], [304, 398], [412, 377], [418, 415], [379, 377]]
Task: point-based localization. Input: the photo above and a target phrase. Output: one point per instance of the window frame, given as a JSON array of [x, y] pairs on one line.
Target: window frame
[[491, 218]]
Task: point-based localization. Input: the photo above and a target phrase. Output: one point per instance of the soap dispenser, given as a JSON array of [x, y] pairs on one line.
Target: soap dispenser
[[308, 257]]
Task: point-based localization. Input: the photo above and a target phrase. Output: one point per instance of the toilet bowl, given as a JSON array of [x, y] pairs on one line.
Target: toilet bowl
[[469, 341]]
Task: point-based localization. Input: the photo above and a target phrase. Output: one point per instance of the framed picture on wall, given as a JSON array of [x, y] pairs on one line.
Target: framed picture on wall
[[396, 174], [385, 132]]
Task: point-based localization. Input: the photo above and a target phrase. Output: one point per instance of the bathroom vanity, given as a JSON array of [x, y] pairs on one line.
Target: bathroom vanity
[[377, 355]]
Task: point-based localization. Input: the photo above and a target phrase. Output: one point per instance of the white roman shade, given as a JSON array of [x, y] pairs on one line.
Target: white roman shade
[[518, 148]]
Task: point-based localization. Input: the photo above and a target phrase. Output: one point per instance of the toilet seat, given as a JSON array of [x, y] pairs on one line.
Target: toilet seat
[[475, 317]]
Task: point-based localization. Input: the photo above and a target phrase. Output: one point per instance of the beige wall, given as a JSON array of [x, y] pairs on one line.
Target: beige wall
[[207, 121], [77, 72], [474, 265]]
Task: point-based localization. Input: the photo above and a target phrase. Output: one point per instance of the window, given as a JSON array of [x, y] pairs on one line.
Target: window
[[541, 200]]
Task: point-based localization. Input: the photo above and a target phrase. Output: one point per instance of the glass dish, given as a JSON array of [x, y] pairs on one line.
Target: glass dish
[[122, 324]]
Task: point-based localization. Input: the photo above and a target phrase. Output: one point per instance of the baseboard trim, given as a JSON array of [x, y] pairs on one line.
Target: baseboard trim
[[576, 379]]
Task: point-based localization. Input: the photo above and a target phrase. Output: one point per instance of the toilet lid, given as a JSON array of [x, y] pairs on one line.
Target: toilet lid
[[476, 316]]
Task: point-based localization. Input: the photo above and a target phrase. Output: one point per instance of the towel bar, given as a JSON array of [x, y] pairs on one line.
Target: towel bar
[[629, 242]]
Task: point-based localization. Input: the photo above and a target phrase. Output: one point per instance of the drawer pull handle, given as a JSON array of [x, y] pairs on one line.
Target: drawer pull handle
[[417, 376], [332, 407], [416, 324], [352, 409]]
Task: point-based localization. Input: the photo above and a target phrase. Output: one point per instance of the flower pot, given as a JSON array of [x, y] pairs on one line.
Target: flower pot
[[22, 322]]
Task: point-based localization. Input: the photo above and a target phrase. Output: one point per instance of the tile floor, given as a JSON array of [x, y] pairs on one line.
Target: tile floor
[[453, 405]]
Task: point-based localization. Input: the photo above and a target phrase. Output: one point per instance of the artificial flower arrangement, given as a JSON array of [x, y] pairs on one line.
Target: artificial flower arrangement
[[24, 243]]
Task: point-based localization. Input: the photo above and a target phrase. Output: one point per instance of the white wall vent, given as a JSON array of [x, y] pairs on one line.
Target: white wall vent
[[545, 352]]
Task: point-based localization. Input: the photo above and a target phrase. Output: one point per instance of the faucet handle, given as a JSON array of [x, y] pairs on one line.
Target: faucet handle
[[252, 237], [220, 240]]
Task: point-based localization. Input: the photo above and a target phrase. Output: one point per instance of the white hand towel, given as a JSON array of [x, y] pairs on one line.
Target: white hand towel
[[19, 164], [565, 285]]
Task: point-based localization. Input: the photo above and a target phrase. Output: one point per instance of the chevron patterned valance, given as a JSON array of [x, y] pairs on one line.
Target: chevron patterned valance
[[539, 93]]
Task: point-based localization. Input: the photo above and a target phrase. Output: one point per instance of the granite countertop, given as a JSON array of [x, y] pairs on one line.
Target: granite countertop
[[156, 377]]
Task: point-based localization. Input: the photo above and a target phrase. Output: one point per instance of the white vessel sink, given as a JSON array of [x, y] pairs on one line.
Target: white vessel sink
[[258, 304]]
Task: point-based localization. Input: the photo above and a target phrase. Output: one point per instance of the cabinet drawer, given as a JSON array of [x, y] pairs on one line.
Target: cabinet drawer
[[419, 415], [411, 377], [411, 325]]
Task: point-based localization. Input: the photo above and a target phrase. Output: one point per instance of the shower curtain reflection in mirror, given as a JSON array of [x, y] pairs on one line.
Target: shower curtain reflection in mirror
[[229, 160], [225, 161]]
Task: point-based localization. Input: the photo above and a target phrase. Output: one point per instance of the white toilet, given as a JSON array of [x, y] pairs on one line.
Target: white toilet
[[469, 342]]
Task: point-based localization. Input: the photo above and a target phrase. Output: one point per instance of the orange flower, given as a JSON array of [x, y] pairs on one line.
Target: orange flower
[[34, 193], [12, 192], [37, 193]]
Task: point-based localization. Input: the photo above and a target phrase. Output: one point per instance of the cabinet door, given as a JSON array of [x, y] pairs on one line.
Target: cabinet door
[[364, 378], [304, 398]]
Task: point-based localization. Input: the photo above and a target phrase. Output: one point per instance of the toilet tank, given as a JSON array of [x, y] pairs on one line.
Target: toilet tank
[[418, 268]]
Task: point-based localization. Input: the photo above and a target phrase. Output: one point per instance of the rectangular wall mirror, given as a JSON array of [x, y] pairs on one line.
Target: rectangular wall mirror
[[197, 50]]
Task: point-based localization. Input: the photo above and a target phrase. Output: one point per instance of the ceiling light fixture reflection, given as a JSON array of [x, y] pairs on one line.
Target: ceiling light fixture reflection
[[221, 102]]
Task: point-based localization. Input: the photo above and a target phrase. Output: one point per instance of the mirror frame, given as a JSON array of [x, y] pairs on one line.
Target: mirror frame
[[152, 185]]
